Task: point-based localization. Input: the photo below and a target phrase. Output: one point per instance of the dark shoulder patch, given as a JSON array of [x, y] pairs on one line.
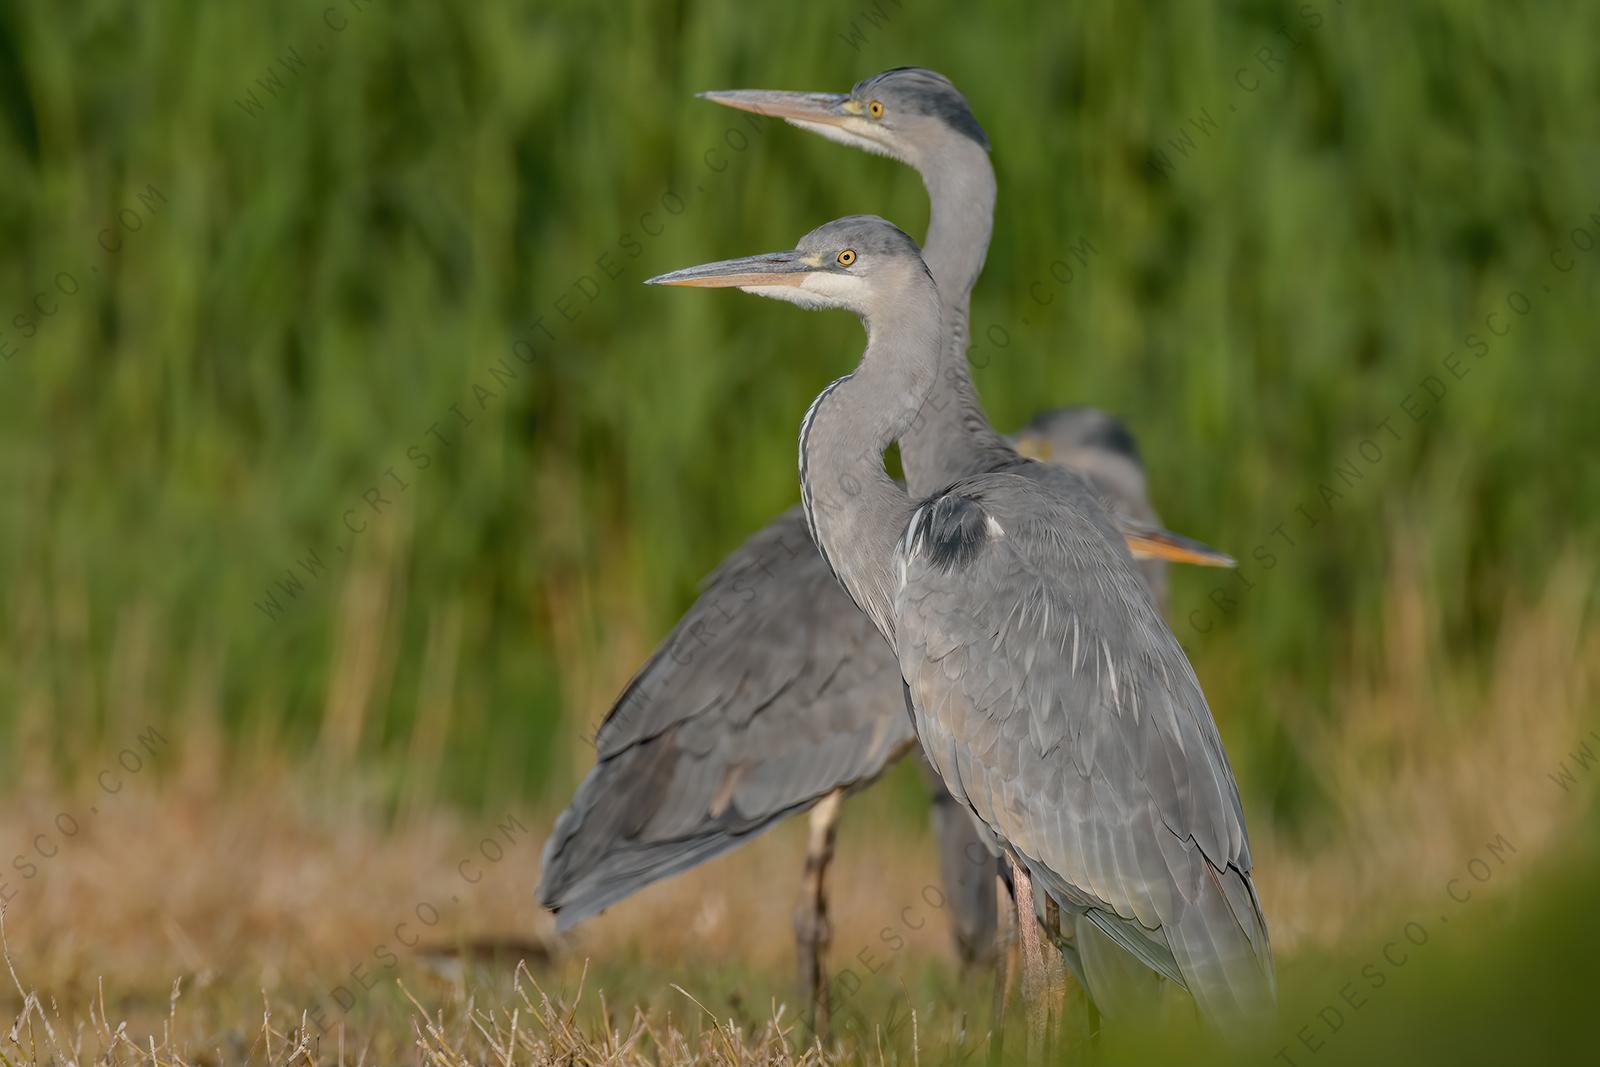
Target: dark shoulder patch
[[950, 531]]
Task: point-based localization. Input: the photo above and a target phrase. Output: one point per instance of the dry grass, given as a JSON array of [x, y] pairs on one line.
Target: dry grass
[[220, 911], [526, 1027], [277, 910], [1429, 762]]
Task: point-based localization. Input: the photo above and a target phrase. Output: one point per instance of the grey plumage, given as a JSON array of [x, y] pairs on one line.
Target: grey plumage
[[1101, 448], [1070, 721], [775, 682], [772, 691], [783, 694], [923, 92], [713, 672], [1046, 689]]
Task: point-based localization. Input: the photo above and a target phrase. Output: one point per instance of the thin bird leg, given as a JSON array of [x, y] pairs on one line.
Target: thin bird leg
[[1055, 970], [811, 929], [1005, 945], [1033, 972]]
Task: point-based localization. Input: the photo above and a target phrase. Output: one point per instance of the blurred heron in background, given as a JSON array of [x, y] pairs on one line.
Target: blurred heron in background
[[1046, 690], [737, 723]]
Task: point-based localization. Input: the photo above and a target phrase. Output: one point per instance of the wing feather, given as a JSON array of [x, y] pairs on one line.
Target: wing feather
[[1045, 682], [771, 692]]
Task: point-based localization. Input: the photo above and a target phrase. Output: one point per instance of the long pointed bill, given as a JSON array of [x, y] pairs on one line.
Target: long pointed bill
[[826, 108], [774, 268], [1153, 542]]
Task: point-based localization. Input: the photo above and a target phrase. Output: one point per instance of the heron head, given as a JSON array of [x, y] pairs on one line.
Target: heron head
[[853, 263], [858, 263], [1098, 446], [907, 114], [1095, 444], [1061, 433]]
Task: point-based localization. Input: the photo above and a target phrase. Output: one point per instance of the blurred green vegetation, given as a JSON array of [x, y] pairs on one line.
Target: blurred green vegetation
[[275, 245]]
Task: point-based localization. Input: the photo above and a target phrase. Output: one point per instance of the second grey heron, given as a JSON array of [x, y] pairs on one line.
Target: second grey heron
[[1045, 687], [772, 694]]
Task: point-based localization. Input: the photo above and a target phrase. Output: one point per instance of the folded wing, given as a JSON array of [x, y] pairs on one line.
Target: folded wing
[[771, 692], [1053, 700]]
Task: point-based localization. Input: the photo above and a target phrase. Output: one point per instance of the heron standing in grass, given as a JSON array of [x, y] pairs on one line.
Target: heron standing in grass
[[773, 695], [767, 679], [1045, 688]]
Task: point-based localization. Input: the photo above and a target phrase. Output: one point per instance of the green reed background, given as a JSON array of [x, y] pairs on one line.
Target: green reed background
[[275, 245]]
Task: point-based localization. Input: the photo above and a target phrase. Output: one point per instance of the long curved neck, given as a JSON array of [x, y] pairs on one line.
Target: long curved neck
[[857, 514], [952, 438]]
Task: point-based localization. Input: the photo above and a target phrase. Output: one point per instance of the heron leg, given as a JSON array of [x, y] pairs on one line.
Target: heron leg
[[811, 929], [1053, 979], [1005, 945], [1034, 982]]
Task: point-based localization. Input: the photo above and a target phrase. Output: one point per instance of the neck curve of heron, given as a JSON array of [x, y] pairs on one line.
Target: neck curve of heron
[[952, 438], [856, 512]]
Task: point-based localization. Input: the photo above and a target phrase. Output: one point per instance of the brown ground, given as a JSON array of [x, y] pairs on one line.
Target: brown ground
[[214, 912]]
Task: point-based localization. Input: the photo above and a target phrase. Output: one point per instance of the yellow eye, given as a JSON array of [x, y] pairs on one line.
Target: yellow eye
[[876, 109], [847, 257]]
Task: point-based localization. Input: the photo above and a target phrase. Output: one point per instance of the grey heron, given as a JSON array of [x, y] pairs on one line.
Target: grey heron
[[1044, 686], [773, 694]]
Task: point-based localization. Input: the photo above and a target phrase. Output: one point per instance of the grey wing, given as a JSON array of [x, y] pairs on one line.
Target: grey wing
[[1053, 700], [967, 866], [1100, 447], [772, 691]]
